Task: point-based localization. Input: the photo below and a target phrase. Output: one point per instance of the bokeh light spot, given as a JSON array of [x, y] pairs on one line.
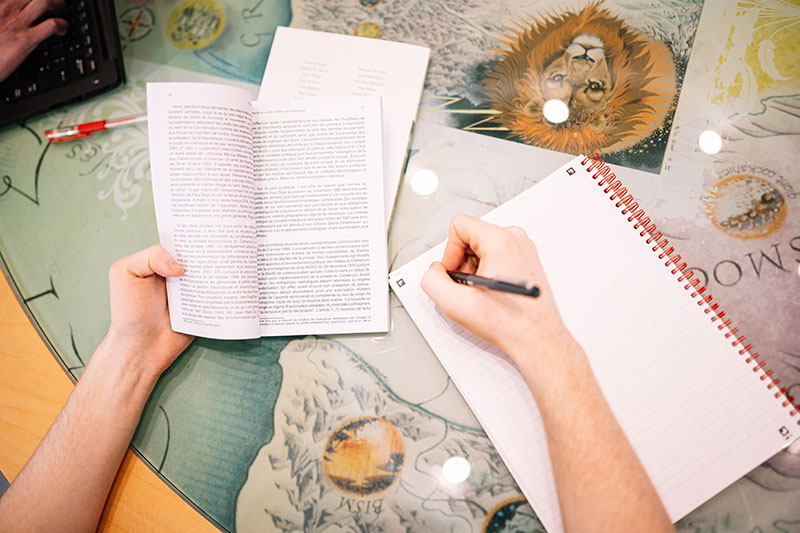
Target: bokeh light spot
[[710, 142], [555, 111], [424, 182], [456, 469]]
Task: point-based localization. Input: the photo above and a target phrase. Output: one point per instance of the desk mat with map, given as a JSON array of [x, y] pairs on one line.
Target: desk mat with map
[[350, 433]]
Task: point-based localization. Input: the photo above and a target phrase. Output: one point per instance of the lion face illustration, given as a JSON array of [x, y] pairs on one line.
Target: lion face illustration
[[619, 84]]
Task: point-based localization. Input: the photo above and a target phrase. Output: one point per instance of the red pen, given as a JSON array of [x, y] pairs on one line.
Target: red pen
[[85, 130]]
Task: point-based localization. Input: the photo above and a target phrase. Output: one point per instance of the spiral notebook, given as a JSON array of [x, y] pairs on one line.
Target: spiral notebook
[[695, 401]]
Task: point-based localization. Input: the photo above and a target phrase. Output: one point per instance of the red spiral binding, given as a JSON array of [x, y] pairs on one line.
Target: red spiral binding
[[616, 191]]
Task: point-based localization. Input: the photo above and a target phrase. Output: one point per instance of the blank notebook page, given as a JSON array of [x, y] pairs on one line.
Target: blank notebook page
[[697, 415]]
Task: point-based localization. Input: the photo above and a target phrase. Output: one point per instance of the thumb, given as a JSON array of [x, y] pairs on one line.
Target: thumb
[[163, 263], [152, 260]]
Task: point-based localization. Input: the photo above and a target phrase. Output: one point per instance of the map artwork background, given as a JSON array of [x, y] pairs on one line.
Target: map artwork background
[[350, 433], [494, 65]]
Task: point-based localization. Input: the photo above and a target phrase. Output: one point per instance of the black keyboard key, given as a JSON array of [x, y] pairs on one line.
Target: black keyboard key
[[76, 68], [42, 58], [57, 49], [49, 80]]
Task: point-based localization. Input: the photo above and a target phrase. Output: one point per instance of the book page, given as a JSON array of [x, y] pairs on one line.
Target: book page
[[306, 64], [696, 414], [320, 226], [201, 159]]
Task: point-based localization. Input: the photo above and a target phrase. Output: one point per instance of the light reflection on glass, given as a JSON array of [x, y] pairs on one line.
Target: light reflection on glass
[[424, 182], [555, 111], [710, 142], [456, 469]]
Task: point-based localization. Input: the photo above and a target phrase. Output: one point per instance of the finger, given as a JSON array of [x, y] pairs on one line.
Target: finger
[[36, 8], [469, 265], [468, 234], [162, 263], [452, 298], [458, 240], [36, 34], [10, 7], [145, 263]]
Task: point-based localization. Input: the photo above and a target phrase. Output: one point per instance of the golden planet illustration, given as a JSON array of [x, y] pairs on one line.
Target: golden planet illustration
[[364, 456], [368, 29], [746, 207], [195, 24], [512, 516]]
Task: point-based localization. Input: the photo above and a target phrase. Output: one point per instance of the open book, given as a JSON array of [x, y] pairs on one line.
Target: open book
[[694, 401], [279, 209], [274, 208]]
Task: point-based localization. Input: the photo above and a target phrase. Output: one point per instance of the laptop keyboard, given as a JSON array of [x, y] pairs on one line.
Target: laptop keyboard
[[56, 60]]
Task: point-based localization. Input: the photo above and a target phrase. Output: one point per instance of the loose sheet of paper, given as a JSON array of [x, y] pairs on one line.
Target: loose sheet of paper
[[306, 64], [698, 417]]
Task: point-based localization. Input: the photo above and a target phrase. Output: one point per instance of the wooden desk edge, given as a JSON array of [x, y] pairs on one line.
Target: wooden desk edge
[[33, 390]]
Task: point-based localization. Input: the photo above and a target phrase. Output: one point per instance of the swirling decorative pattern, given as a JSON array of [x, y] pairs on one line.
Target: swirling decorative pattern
[[126, 162]]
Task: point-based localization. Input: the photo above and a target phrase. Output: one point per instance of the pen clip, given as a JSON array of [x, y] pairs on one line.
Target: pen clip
[[75, 132]]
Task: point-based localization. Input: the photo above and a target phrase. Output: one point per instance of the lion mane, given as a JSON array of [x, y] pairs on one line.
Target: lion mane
[[641, 72]]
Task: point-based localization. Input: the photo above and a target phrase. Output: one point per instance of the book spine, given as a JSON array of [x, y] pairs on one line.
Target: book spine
[[604, 177]]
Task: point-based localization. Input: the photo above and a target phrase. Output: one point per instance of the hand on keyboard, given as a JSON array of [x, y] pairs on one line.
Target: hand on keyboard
[[22, 30]]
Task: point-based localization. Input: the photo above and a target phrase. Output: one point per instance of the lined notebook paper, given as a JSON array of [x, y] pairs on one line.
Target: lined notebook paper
[[698, 415]]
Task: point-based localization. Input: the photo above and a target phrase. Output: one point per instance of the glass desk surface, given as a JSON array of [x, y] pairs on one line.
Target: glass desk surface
[[243, 430]]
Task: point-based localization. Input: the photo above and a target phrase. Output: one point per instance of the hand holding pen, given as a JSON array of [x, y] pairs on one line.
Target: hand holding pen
[[488, 256], [527, 288]]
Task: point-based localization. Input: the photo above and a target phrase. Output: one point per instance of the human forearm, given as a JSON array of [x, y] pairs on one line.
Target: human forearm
[[583, 436], [64, 485]]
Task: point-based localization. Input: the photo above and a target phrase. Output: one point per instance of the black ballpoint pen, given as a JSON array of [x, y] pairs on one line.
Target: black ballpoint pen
[[527, 289]]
